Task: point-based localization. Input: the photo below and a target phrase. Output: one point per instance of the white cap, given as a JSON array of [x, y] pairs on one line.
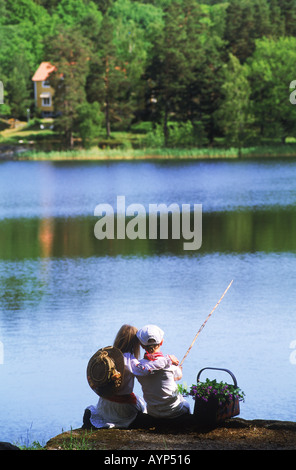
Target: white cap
[[150, 334]]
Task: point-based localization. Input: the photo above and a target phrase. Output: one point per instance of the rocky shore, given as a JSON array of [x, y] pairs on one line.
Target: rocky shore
[[11, 152], [233, 434]]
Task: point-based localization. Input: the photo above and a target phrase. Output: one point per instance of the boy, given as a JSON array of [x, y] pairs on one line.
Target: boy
[[160, 391]]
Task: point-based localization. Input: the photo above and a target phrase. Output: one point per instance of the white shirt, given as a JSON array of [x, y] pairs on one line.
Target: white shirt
[[160, 392], [133, 368]]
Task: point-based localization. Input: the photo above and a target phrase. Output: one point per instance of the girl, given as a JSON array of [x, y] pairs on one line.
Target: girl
[[122, 408]]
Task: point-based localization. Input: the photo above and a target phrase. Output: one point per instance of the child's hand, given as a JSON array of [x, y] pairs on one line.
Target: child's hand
[[174, 360], [179, 376]]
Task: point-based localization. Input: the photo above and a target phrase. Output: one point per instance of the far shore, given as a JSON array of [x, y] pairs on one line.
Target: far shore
[[12, 152], [37, 140]]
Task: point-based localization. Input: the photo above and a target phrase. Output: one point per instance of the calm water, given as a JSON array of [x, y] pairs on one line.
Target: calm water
[[64, 293]]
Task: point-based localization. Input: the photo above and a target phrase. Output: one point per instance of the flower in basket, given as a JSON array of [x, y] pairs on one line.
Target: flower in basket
[[211, 388]]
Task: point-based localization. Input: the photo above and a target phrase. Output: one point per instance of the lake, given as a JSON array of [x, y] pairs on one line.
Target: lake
[[64, 293]]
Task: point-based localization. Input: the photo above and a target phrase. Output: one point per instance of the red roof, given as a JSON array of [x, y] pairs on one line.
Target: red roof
[[43, 72]]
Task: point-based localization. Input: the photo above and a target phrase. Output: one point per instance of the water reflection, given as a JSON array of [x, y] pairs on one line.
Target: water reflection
[[19, 287], [233, 232]]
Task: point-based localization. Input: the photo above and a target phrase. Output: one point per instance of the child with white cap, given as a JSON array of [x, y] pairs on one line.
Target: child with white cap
[[160, 391]]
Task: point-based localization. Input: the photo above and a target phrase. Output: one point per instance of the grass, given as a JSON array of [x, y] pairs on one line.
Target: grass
[[71, 442], [26, 443], [96, 153], [76, 443], [34, 446]]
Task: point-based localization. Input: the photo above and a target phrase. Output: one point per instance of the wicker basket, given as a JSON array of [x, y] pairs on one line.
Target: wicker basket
[[211, 412]]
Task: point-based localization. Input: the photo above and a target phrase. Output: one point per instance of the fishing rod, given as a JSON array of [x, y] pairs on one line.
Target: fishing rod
[[202, 326]]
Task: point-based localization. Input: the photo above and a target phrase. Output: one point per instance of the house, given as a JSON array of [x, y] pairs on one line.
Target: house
[[43, 92]]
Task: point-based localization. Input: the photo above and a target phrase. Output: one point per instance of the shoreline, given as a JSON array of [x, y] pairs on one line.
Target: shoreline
[[169, 435], [22, 153]]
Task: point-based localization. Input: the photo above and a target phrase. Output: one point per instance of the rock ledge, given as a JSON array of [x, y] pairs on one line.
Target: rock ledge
[[233, 434]]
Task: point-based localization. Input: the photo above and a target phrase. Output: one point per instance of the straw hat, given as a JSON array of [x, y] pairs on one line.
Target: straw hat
[[105, 371]]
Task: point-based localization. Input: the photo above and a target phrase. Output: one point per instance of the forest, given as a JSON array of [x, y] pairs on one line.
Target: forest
[[194, 73]]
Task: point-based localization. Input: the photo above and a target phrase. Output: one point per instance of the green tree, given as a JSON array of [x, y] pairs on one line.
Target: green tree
[[69, 52], [288, 14], [201, 97], [103, 5], [234, 115], [2, 12], [158, 60], [79, 14], [246, 21], [107, 75], [49, 5], [271, 69], [17, 84], [183, 75], [173, 61], [23, 25], [137, 27], [277, 21], [18, 11], [120, 58], [31, 23], [88, 123], [16, 64]]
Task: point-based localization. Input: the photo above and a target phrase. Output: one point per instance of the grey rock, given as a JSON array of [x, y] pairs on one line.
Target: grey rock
[[8, 446]]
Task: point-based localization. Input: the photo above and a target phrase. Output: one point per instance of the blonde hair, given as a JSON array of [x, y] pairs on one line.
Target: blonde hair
[[127, 341]]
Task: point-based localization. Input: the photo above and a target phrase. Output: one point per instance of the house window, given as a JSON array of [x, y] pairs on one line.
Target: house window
[[45, 84], [46, 101]]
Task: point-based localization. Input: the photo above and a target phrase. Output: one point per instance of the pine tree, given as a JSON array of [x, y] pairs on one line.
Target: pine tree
[[234, 115], [69, 53], [175, 56], [247, 20], [107, 74]]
